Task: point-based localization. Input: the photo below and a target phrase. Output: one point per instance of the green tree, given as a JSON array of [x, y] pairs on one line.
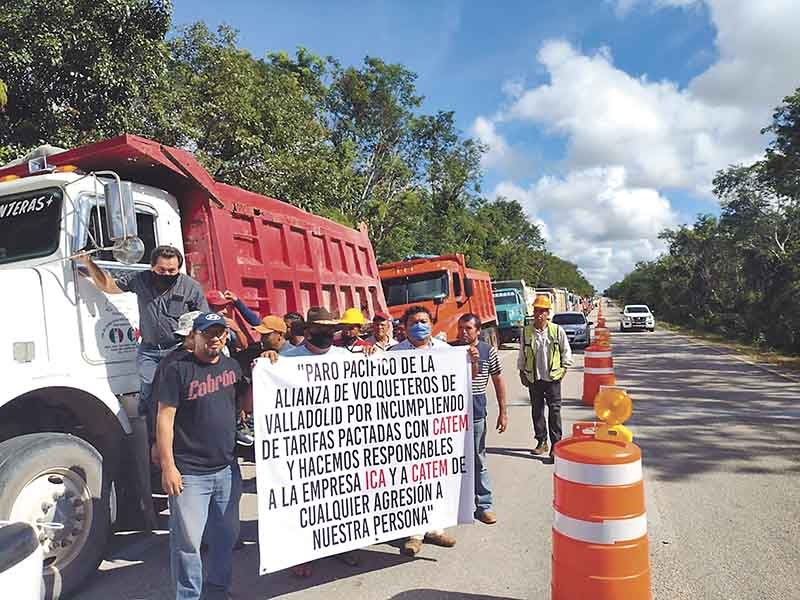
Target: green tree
[[267, 136], [79, 70]]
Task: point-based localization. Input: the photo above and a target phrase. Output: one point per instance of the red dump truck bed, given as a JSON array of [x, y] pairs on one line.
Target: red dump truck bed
[[277, 257]]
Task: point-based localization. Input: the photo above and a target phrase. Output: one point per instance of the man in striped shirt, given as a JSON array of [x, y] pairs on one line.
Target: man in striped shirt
[[485, 363]]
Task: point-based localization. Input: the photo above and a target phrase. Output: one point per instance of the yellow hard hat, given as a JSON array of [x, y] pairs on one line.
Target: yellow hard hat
[[542, 301], [352, 316]]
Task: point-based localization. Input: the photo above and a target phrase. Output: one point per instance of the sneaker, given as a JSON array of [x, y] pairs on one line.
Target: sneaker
[[440, 539], [412, 547], [541, 448], [487, 517], [245, 436]]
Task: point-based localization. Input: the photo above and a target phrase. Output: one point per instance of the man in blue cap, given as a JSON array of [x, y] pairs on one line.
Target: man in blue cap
[[196, 437]]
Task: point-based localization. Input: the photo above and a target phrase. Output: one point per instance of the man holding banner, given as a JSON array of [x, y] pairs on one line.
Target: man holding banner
[[358, 449], [418, 326]]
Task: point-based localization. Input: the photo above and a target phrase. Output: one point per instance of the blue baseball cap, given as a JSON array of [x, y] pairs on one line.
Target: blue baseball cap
[[207, 320]]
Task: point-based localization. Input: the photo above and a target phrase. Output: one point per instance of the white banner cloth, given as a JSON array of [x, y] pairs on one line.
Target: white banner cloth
[[357, 450]]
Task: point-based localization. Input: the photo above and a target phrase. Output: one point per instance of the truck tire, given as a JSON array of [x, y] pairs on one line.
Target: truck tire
[[58, 478]]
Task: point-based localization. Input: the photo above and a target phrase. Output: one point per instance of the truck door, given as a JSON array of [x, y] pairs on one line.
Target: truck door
[[109, 323]]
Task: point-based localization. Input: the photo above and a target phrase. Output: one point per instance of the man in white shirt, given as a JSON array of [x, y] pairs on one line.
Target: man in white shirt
[[544, 355], [419, 329], [381, 336]]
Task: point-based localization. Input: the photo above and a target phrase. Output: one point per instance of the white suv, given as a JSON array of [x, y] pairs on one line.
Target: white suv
[[637, 316]]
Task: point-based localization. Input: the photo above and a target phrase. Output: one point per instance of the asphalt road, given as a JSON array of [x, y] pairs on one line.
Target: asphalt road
[[721, 451]]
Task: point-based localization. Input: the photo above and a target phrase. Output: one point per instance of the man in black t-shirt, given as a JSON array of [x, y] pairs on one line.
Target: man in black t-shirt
[[196, 439]]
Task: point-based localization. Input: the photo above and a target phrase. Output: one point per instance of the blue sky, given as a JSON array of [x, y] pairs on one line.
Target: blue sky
[[572, 96]]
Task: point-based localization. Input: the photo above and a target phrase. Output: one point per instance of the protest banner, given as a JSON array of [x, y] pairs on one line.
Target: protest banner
[[353, 450]]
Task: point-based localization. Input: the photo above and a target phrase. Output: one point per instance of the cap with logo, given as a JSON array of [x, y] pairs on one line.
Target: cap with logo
[[320, 316], [186, 322], [271, 323], [205, 321]]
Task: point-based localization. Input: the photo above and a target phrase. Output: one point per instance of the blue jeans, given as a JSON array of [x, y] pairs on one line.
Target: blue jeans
[[483, 486], [147, 359], [212, 499]]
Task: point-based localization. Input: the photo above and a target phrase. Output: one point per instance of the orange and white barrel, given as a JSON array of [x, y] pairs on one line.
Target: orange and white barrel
[[598, 370], [600, 548]]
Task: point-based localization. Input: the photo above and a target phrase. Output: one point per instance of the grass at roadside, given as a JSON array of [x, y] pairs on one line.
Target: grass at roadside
[[784, 361]]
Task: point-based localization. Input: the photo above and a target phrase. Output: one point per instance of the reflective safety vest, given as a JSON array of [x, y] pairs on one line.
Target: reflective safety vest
[[529, 339]]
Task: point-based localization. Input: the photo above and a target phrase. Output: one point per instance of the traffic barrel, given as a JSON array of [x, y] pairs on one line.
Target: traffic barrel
[[600, 547], [598, 370]]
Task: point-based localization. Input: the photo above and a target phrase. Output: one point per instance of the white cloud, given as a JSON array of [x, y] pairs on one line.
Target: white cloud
[[759, 55], [664, 136], [591, 217], [623, 7], [500, 154], [650, 135]]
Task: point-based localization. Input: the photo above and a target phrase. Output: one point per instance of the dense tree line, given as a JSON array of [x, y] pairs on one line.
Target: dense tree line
[[739, 273], [352, 143]]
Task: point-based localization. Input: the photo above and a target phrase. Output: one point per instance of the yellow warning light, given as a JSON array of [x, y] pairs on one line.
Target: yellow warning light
[[613, 406]]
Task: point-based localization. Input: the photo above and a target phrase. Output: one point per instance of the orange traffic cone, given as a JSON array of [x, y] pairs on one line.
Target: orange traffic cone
[[598, 364], [600, 548]]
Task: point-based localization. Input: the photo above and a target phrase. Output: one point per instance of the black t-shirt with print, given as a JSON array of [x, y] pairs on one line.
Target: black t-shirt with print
[[205, 422]]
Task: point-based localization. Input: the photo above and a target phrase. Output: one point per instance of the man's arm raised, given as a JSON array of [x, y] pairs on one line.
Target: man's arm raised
[[101, 279]]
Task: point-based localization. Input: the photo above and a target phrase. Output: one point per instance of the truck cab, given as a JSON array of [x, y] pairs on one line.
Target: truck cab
[[510, 313], [69, 366], [446, 287]]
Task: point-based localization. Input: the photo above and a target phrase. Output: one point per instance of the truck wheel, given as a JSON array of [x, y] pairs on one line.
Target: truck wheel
[[58, 478]]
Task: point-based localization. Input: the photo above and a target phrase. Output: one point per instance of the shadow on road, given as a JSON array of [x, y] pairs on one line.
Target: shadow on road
[[427, 594], [697, 411], [520, 453]]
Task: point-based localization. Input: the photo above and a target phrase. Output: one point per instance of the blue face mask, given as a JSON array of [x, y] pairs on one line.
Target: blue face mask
[[420, 331]]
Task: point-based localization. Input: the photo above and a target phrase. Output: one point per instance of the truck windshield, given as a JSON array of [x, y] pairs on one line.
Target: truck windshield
[[415, 288], [636, 309], [29, 224], [507, 298]]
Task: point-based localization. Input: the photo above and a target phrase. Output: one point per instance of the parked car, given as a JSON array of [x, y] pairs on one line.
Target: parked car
[[637, 316], [576, 326]]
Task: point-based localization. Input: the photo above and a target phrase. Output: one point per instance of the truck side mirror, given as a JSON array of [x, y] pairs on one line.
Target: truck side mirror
[[121, 222], [469, 287]]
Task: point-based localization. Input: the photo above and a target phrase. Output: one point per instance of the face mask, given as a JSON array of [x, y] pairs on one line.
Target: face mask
[[321, 339], [420, 331], [165, 280]]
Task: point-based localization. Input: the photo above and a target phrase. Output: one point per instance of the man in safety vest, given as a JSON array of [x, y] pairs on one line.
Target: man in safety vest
[[544, 355]]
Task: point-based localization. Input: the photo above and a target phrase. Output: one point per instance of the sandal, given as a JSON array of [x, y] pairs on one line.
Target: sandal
[[303, 570]]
